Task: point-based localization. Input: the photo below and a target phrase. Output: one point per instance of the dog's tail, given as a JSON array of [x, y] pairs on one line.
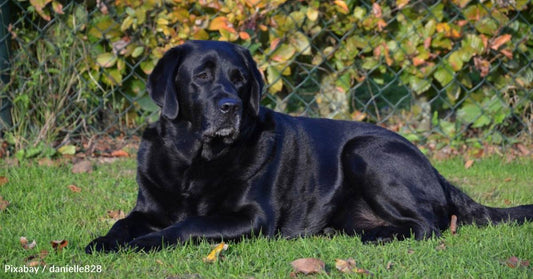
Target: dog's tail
[[470, 212]]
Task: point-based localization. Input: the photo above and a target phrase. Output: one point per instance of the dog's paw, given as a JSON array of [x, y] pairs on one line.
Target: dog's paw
[[102, 244], [146, 243]]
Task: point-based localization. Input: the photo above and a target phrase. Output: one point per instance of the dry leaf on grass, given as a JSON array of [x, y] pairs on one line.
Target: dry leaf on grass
[[37, 259], [515, 262], [119, 153], [3, 180], [441, 247], [390, 265], [74, 188], [27, 246], [215, 253], [3, 203], [58, 245], [83, 166], [46, 162], [469, 163], [308, 266], [116, 214], [349, 266], [523, 149]]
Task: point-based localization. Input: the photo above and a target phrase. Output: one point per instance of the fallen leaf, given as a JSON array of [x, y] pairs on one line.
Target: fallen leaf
[[345, 266], [35, 263], [453, 225], [26, 245], [40, 256], [515, 262], [441, 247], [3, 203], [390, 265], [508, 179], [120, 153], [46, 162], [74, 188], [83, 166], [215, 253], [523, 149], [3, 180], [308, 266], [116, 214], [106, 160], [58, 245], [349, 266], [67, 150], [469, 163]]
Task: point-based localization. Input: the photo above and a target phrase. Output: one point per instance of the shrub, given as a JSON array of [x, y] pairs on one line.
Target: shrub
[[456, 68]]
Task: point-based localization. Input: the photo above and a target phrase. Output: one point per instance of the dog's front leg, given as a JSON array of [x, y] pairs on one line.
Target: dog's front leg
[[211, 228], [122, 232]]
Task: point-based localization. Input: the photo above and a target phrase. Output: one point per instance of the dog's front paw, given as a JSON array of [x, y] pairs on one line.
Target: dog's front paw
[[102, 244], [150, 242]]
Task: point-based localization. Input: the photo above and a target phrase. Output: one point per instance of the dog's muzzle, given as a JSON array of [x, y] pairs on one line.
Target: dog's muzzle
[[227, 122]]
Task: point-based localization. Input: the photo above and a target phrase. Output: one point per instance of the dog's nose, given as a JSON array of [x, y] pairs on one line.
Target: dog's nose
[[229, 105]]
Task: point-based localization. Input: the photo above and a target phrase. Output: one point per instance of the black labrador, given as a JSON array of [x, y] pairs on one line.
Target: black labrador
[[218, 166]]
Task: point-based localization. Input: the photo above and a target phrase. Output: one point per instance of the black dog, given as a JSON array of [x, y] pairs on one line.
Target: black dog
[[220, 167]]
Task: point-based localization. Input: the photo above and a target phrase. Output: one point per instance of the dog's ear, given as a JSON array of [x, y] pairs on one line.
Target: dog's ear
[[256, 82], [162, 83]]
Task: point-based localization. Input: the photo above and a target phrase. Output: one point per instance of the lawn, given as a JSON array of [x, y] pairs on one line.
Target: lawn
[[52, 203]]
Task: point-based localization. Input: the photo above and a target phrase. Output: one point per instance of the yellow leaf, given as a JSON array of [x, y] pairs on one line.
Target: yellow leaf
[[401, 3], [218, 23], [106, 60], [342, 5], [162, 21], [300, 41], [213, 256], [283, 53], [274, 79], [443, 27], [256, 3], [312, 14]]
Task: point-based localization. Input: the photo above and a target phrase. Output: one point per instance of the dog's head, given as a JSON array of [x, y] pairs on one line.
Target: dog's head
[[215, 86]]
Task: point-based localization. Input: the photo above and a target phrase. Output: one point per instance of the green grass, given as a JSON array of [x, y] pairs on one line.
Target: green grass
[[43, 208]]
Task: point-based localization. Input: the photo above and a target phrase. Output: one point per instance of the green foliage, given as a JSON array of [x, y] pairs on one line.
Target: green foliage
[[338, 59], [46, 91]]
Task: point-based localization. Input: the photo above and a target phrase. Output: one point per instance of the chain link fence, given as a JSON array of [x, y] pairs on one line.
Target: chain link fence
[[442, 73]]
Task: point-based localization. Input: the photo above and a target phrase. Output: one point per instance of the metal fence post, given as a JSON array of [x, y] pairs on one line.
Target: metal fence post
[[5, 104]]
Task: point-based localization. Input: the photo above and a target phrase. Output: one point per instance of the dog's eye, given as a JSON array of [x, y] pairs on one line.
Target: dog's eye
[[236, 77], [202, 76]]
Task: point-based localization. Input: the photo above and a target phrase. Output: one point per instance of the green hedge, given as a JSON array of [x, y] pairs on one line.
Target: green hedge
[[445, 70]]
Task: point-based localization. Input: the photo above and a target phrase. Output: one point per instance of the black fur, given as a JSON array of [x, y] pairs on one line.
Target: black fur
[[220, 167]]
